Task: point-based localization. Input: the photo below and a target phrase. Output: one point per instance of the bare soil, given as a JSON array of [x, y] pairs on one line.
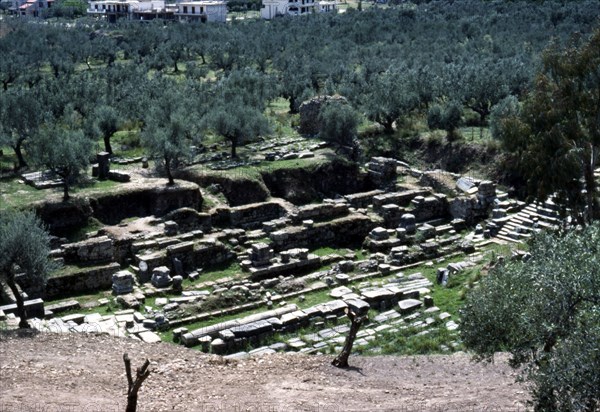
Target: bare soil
[[51, 372]]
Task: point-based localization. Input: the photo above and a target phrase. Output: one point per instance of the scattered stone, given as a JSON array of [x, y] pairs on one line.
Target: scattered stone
[[409, 305], [128, 301], [177, 284], [171, 228], [160, 277], [339, 292], [149, 337], [122, 282]]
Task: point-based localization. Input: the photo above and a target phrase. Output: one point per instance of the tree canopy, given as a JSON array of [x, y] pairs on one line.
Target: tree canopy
[[64, 151], [556, 136], [24, 249], [546, 312], [391, 64]]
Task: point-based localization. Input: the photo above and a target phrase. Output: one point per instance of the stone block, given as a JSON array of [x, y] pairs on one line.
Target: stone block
[[339, 292], [358, 306], [78, 318], [63, 306], [342, 278], [177, 284], [161, 277], [171, 228], [409, 305], [379, 233], [34, 308], [119, 176], [408, 223], [149, 337], [252, 329], [122, 282], [180, 248]]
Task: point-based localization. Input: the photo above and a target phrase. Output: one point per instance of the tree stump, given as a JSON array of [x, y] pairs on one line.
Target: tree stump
[[341, 361]]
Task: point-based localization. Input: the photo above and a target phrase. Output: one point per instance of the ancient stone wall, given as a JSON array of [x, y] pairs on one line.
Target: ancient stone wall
[[192, 255], [237, 188], [249, 216], [305, 185], [339, 232], [79, 282], [189, 219], [153, 198], [61, 217], [320, 211], [97, 249], [430, 207]]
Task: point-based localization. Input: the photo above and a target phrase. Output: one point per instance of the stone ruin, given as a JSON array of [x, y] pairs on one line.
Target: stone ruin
[[262, 263], [407, 217], [310, 111]]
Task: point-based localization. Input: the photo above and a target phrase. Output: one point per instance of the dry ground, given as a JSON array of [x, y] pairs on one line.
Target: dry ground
[[49, 372]]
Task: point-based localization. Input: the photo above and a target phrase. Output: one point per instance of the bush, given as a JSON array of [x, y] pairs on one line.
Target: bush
[[338, 123], [447, 118], [507, 107], [546, 312]]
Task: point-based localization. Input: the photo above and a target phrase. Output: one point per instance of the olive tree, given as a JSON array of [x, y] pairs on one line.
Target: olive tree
[[168, 125], [338, 123], [64, 151], [558, 129], [447, 118], [236, 121], [545, 311], [24, 249], [20, 118], [107, 123]]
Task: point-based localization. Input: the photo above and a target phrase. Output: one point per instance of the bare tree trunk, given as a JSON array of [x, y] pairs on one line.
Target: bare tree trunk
[[134, 386], [19, 153], [10, 281], [107, 146], [593, 211], [65, 190], [341, 361], [234, 147], [168, 170]]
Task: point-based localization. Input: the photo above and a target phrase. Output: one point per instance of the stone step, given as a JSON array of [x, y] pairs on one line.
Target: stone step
[[515, 226], [541, 211], [513, 235], [523, 219], [507, 238]]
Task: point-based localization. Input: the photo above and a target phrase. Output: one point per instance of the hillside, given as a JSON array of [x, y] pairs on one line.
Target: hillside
[[55, 372]]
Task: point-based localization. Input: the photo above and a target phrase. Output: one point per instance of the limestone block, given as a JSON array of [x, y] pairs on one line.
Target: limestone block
[[161, 277], [149, 337], [409, 305], [122, 282]]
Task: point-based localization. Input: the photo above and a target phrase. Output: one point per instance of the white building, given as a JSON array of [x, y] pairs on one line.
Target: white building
[[30, 8], [128, 9], [274, 8], [199, 10]]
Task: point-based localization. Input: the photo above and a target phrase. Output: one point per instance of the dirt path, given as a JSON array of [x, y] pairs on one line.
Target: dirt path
[[48, 372]]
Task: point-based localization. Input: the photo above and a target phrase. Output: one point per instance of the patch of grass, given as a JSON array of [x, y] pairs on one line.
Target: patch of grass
[[312, 299], [408, 341], [231, 269], [16, 194], [8, 159], [476, 134], [326, 251], [81, 233]]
